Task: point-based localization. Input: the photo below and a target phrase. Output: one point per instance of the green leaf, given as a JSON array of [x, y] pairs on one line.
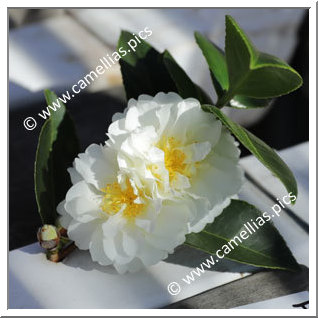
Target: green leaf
[[253, 73], [217, 64], [186, 88], [263, 248], [56, 150], [265, 154], [242, 102], [143, 70], [146, 71]]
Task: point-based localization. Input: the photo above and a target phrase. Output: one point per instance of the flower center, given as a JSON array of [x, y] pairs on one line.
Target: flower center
[[116, 198], [174, 157]]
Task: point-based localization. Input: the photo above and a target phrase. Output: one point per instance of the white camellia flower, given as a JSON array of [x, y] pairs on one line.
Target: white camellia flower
[[104, 211], [176, 150], [167, 170]]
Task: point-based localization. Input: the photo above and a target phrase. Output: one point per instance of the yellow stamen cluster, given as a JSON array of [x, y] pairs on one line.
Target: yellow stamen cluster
[[174, 157], [116, 198]]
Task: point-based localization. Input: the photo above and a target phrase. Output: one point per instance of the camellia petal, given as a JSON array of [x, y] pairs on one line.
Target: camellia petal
[[167, 170]]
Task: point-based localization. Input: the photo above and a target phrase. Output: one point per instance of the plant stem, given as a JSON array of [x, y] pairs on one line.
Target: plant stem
[[60, 253], [224, 100]]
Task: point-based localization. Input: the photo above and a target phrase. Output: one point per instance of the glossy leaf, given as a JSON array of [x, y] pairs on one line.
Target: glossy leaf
[[146, 71], [244, 102], [253, 73], [261, 247], [143, 70], [186, 88], [217, 64], [56, 150], [265, 154]]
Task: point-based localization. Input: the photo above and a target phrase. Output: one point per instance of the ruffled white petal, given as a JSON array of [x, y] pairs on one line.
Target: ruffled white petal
[[220, 173], [97, 166], [196, 151], [82, 233], [96, 247], [75, 175], [65, 218], [171, 226], [167, 170], [199, 223], [82, 203]]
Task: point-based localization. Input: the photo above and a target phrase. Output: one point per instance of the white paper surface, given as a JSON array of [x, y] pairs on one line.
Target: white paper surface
[[77, 282], [284, 302]]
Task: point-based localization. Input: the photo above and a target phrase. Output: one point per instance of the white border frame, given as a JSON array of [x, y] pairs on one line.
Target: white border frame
[[312, 165]]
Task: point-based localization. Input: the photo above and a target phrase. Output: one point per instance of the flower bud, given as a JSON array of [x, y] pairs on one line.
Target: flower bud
[[48, 236]]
